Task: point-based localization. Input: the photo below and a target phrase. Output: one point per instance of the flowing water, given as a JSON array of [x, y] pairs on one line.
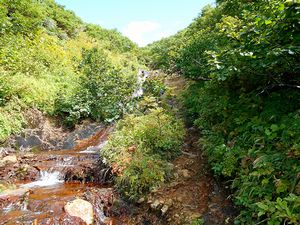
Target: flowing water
[[64, 175], [142, 76]]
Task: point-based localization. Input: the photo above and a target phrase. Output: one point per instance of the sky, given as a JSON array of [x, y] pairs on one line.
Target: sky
[[143, 21]]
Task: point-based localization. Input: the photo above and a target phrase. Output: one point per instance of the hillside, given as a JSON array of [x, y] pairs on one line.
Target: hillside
[[46, 56]]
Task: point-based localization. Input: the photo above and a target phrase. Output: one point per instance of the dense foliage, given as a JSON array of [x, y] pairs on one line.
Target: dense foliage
[[139, 148], [49, 60], [142, 144], [242, 58]]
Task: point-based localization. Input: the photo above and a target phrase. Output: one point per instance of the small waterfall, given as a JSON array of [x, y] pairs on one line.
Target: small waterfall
[[94, 149], [46, 179], [142, 76]]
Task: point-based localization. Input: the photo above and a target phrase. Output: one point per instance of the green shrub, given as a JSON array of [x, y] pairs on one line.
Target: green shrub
[[139, 148], [154, 86], [253, 140], [142, 174], [104, 91], [11, 120]]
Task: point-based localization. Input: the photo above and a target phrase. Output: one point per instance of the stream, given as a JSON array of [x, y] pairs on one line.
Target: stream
[[63, 175]]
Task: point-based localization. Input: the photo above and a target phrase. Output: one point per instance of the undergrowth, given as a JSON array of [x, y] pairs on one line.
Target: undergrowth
[[141, 146]]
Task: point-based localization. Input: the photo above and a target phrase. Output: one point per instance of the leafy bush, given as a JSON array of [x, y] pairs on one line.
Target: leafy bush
[[139, 148], [155, 86], [252, 140], [104, 90], [11, 120], [143, 174]]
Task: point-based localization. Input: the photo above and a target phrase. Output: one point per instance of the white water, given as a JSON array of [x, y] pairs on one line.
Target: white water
[[142, 76], [94, 149], [46, 179]]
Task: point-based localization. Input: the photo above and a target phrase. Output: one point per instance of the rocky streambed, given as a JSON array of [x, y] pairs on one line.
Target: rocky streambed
[[49, 175], [57, 187]]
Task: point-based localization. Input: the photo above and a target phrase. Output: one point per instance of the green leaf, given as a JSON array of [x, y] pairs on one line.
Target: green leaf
[[274, 127], [281, 7], [267, 22], [262, 206]]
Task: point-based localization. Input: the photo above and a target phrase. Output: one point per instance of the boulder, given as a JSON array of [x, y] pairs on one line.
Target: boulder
[[82, 209]]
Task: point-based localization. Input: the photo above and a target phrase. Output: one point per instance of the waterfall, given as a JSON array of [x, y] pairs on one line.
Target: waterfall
[[141, 78], [46, 179]]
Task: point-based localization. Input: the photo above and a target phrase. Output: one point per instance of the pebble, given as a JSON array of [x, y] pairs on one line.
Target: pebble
[[155, 204], [164, 209], [141, 200]]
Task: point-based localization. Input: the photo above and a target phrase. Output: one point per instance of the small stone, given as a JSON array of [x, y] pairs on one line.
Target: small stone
[[141, 200], [82, 209], [164, 209], [28, 155], [10, 159], [155, 204]]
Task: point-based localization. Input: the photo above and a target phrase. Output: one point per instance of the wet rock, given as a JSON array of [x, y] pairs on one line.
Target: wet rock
[[10, 159], [82, 209], [44, 133], [14, 192]]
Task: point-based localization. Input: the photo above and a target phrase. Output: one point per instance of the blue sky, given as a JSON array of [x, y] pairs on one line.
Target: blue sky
[[143, 21]]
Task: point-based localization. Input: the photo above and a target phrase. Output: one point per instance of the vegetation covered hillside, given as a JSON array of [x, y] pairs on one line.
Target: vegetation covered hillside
[[242, 60], [52, 61]]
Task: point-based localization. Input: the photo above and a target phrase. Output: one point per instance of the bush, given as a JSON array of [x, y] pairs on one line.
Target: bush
[[154, 86], [11, 120], [104, 91], [139, 149], [142, 174], [252, 140]]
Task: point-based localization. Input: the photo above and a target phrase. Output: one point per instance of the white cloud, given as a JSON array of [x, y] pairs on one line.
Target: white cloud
[[142, 32]]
